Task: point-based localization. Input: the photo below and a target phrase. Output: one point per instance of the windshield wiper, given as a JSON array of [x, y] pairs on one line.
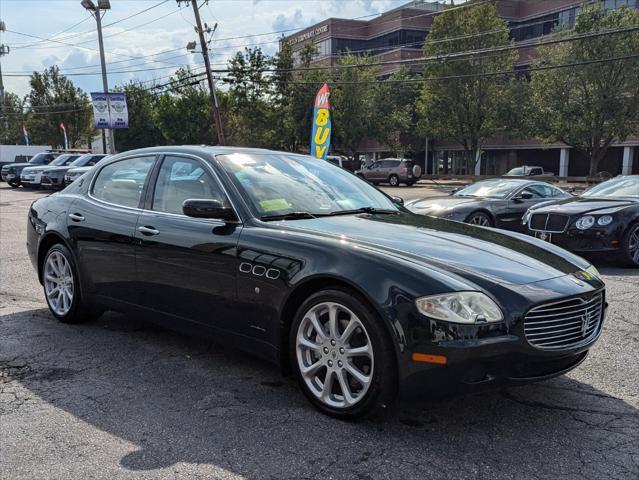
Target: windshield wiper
[[287, 216], [363, 210]]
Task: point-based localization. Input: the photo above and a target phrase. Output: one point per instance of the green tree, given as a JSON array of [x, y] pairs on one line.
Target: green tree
[[592, 105], [11, 124], [183, 114], [396, 118], [353, 106], [143, 128], [53, 99], [462, 108]]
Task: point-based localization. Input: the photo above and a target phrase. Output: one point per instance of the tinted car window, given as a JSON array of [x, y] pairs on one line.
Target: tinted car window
[[62, 160], [617, 187], [540, 191], [489, 188], [535, 171], [121, 182], [181, 179], [42, 159], [390, 163]]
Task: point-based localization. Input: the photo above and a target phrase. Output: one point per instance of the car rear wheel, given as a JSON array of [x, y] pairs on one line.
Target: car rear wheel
[[342, 356], [630, 246], [61, 287], [480, 218], [393, 180]]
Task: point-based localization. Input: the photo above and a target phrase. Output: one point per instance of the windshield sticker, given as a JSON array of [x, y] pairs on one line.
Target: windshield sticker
[[274, 204]]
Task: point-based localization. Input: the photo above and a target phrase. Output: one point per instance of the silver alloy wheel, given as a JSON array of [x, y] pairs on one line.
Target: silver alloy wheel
[[334, 354], [58, 283], [633, 245], [393, 180], [480, 220]]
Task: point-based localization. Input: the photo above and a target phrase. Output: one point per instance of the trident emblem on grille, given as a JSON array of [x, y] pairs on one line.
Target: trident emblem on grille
[[584, 325]]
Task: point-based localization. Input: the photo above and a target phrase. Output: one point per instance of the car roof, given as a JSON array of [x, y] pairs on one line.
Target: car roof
[[204, 150]]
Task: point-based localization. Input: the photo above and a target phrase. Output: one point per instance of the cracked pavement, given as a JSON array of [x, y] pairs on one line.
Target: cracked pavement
[[120, 399]]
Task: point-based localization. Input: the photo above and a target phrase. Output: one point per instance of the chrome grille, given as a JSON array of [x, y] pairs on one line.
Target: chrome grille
[[564, 324], [549, 222]]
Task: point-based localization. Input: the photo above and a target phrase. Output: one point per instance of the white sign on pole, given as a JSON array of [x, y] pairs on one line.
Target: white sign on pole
[[109, 110]]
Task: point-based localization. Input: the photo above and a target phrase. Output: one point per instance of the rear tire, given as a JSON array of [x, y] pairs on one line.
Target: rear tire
[[62, 288], [393, 180], [328, 325], [629, 253]]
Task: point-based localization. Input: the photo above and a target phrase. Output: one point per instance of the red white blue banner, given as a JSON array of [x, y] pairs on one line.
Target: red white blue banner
[[321, 136]]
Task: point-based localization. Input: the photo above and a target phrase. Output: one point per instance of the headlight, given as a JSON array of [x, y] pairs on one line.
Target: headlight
[[592, 270], [584, 223], [604, 220], [460, 307]]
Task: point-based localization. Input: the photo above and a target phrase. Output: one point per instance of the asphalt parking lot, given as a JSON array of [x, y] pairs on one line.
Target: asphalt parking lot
[[117, 398]]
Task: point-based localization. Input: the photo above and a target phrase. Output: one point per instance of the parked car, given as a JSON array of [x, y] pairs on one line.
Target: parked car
[[296, 261], [11, 172], [76, 172], [498, 202], [32, 176], [527, 171], [53, 177], [604, 219], [391, 170]]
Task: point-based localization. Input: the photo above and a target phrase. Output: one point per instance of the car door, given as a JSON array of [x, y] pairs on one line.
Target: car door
[[371, 172], [520, 201], [187, 267], [101, 225]]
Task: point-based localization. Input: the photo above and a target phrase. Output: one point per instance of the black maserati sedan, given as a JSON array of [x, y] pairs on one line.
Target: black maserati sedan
[[496, 202], [603, 220], [302, 263]]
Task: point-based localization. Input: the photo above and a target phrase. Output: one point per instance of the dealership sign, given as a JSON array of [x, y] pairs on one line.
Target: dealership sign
[[321, 137], [110, 110], [308, 34]]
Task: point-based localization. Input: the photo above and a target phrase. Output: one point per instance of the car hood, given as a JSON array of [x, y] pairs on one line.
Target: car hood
[[35, 169], [435, 204], [582, 205], [21, 165], [464, 249]]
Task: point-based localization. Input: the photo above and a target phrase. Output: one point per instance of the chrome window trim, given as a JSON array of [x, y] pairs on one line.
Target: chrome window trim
[[97, 173], [215, 178]]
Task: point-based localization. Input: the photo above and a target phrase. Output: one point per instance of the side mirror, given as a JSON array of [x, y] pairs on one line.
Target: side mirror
[[206, 208], [523, 196], [398, 200]]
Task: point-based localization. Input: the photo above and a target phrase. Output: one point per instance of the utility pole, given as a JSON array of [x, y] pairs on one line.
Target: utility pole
[[95, 11], [217, 119], [4, 50]]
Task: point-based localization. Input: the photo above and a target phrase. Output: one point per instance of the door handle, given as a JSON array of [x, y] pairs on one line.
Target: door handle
[[76, 217], [148, 231]]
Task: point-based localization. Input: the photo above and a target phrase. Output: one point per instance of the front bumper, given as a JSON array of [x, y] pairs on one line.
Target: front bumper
[[6, 176], [486, 356], [31, 180], [52, 182], [598, 239]]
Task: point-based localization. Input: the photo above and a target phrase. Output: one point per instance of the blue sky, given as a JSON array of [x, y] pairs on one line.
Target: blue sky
[[168, 29]]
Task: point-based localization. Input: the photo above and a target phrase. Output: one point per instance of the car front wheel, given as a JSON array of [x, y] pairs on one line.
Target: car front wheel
[[342, 356], [61, 287], [14, 183], [630, 246], [479, 218]]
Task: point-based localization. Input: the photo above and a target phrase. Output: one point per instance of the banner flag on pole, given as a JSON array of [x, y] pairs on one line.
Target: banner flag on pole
[[64, 130], [110, 110], [321, 136], [25, 133]]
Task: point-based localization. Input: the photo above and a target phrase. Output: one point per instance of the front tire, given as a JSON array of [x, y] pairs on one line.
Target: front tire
[[393, 180], [630, 246], [342, 356], [479, 218], [14, 183], [62, 288]]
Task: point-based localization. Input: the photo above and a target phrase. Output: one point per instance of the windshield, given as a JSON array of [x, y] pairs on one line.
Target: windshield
[[617, 187], [277, 184], [63, 160], [516, 172], [39, 159], [489, 189]]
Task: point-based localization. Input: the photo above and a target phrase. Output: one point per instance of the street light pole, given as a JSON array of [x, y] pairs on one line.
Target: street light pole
[[95, 11], [4, 50], [217, 119]]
